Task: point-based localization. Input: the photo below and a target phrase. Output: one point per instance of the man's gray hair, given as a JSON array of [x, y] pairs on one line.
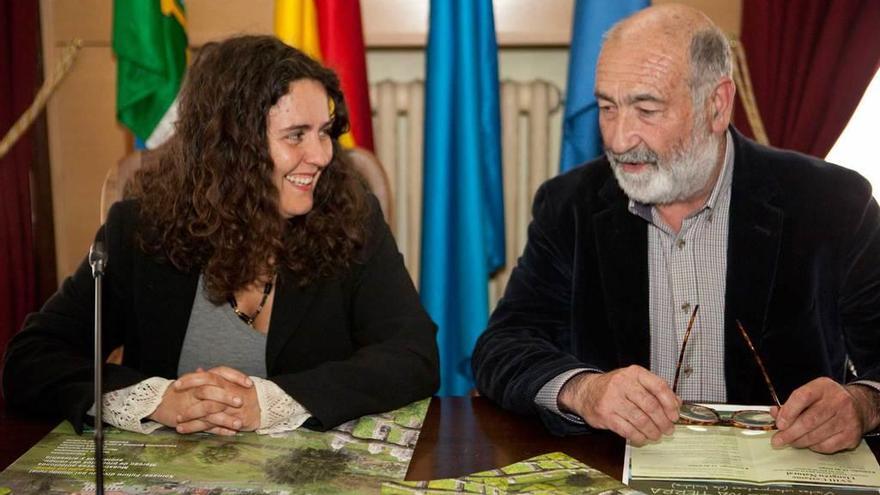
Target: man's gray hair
[[710, 61]]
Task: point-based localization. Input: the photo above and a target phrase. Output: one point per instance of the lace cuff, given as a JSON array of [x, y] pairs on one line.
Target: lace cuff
[[127, 407], [278, 411]]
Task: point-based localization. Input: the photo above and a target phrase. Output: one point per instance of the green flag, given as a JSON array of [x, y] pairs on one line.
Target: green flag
[[149, 40]]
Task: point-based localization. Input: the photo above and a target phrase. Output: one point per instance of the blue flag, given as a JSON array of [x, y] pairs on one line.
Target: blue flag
[[463, 212], [581, 140]]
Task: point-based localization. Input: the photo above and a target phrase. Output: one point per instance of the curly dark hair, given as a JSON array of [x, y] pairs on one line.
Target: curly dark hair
[[209, 202]]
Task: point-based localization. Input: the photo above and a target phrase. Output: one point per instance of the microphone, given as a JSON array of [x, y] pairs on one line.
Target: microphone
[[97, 259], [98, 262]]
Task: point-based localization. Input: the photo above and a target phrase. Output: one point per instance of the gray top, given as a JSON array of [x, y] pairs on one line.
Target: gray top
[[215, 336]]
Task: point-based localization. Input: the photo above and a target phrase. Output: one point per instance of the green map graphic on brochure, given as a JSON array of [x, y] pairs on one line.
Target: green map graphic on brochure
[[548, 474], [355, 457]]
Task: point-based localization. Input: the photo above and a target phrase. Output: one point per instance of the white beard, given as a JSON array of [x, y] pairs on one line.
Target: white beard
[[680, 177]]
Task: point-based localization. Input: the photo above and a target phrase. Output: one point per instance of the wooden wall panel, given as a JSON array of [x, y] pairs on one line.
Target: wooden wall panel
[[402, 23], [63, 20], [217, 19], [389, 23], [399, 23], [727, 14], [84, 139]]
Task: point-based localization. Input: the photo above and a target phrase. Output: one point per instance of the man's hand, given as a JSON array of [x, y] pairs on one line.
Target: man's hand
[[826, 416], [632, 402], [206, 415]]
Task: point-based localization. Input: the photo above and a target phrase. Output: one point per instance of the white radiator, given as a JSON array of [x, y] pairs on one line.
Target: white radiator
[[527, 110]]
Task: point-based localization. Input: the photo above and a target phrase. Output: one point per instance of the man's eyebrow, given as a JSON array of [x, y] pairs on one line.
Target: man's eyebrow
[[642, 97], [602, 96], [631, 99]]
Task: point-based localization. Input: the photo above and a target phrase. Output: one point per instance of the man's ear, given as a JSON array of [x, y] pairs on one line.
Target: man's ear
[[722, 104]]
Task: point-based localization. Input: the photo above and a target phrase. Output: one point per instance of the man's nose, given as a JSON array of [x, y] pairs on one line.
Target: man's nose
[[623, 133]]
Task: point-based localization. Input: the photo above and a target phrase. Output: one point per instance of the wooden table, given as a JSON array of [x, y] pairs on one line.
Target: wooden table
[[465, 435], [18, 434]]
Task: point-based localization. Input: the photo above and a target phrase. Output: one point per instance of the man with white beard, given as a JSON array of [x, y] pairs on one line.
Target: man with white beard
[[599, 327]]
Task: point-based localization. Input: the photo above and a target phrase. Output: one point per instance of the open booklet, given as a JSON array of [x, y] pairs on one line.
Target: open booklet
[[725, 460], [355, 457]]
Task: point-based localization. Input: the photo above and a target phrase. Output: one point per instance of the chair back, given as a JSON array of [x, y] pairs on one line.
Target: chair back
[[118, 176], [371, 170]]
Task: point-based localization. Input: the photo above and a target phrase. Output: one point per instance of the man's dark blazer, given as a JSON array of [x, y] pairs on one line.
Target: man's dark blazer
[[803, 276], [356, 344]]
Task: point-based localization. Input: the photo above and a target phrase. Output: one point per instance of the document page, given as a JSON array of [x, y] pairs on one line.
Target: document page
[[746, 456]]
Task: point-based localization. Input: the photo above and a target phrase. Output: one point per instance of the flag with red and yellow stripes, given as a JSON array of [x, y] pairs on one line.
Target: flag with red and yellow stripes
[[330, 31]]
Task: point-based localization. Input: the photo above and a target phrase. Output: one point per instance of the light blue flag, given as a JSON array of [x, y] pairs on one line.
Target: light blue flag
[[581, 140], [463, 215]]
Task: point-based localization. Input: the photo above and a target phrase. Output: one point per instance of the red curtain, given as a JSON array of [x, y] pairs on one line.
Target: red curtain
[[19, 32], [810, 62]]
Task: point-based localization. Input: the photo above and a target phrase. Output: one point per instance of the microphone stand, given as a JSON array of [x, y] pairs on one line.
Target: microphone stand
[[98, 261]]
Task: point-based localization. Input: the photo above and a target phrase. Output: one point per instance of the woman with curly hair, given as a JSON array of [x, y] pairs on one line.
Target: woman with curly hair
[[252, 280]]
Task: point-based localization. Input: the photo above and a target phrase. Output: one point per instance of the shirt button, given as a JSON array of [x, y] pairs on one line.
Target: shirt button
[[709, 218], [680, 243], [687, 371], [686, 307]]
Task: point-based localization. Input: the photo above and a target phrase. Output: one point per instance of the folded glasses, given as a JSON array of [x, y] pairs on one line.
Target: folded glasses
[[696, 414]]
